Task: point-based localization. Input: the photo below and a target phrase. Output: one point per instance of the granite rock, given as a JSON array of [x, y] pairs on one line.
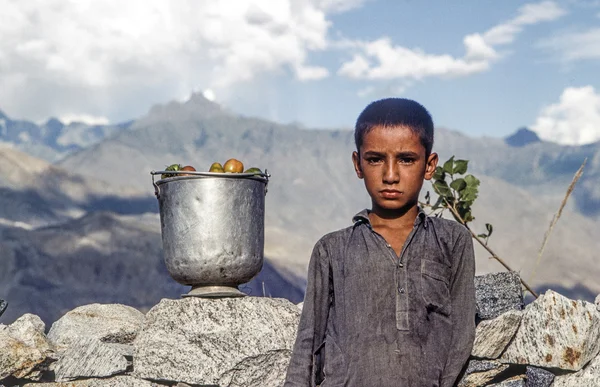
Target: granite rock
[[116, 381], [109, 323], [229, 341], [24, 350], [556, 332], [537, 377], [492, 336], [588, 376], [515, 381], [263, 370], [497, 293], [480, 372], [88, 358]]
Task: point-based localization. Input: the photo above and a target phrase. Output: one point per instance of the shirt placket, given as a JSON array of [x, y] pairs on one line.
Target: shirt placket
[[402, 314]]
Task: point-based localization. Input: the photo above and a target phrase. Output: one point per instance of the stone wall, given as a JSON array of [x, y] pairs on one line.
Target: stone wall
[[248, 341]]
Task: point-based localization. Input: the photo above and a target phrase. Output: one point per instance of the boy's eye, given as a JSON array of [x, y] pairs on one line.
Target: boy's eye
[[406, 160], [374, 160]]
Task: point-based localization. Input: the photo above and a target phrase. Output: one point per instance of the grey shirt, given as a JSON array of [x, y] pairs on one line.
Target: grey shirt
[[373, 318]]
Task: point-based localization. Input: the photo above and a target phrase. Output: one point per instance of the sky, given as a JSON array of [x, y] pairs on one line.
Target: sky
[[482, 67]]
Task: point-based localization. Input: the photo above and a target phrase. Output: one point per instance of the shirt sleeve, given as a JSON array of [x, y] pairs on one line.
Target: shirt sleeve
[[313, 321], [462, 293]]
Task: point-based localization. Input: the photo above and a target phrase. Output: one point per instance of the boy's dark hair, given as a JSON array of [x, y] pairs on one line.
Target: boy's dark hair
[[395, 112]]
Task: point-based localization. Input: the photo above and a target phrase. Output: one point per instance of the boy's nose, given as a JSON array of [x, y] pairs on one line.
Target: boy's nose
[[391, 173]]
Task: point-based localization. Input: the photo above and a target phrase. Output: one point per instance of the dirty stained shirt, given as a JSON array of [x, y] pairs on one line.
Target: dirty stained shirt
[[373, 318]]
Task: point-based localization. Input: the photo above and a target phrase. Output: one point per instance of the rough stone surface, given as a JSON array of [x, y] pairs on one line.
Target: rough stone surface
[[117, 381], [88, 358], [263, 370], [480, 372], [497, 293], [492, 336], [24, 350], [110, 323], [537, 377], [556, 332], [516, 381], [588, 377], [206, 341]]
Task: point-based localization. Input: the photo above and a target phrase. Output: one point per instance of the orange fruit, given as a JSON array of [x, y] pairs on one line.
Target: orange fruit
[[233, 166], [187, 168]]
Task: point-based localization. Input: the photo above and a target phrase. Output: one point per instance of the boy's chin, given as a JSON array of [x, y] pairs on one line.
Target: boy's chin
[[393, 207]]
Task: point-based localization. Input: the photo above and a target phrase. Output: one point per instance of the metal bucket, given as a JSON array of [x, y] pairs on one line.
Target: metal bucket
[[212, 227]]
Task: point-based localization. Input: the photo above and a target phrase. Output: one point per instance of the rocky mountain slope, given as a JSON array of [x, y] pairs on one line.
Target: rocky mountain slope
[[53, 139]]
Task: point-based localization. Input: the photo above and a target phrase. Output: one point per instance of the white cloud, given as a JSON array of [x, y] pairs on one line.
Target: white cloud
[[573, 120], [575, 46], [106, 58], [382, 60], [84, 118]]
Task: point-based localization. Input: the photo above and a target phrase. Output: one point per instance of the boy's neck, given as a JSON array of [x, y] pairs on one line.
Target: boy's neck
[[393, 219]]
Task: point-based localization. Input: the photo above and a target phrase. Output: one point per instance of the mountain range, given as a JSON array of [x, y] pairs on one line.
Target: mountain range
[[106, 184]]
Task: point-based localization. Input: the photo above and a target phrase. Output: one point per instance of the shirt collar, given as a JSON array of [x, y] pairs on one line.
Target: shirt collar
[[363, 217]]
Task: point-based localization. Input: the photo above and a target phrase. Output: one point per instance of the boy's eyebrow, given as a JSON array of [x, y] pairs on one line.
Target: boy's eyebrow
[[399, 154]]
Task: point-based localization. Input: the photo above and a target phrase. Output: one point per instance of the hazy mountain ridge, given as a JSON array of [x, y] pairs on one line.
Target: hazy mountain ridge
[[36, 193], [53, 139]]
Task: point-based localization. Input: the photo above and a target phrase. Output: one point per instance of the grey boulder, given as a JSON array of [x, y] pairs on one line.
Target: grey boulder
[[556, 332], [227, 342], [24, 349], [109, 323], [88, 358], [497, 293], [492, 336]]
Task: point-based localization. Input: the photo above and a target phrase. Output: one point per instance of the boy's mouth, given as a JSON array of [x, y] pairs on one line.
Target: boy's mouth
[[390, 193]]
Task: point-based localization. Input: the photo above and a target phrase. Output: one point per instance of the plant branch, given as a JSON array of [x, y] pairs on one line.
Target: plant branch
[[485, 246], [557, 216]]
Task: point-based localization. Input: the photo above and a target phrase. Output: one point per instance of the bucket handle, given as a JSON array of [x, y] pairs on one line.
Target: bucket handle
[[265, 175]]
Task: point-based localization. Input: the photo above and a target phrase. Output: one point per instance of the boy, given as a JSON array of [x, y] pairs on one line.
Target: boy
[[390, 300]]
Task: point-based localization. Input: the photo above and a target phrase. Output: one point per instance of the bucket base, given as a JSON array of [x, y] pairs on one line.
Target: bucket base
[[214, 291]]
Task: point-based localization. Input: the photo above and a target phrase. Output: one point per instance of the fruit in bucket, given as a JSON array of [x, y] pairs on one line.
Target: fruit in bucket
[[187, 168], [253, 170], [216, 167], [233, 166], [172, 167]]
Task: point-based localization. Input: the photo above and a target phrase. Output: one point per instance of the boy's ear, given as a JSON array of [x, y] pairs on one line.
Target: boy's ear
[[431, 165], [356, 162]]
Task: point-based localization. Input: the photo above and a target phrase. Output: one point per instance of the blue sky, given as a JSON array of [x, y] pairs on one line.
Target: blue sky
[[484, 68]]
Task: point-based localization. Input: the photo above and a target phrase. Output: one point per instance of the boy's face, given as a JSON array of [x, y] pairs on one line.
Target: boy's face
[[393, 164]]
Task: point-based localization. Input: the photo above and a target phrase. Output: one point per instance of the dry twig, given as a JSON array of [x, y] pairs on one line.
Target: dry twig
[[557, 216]]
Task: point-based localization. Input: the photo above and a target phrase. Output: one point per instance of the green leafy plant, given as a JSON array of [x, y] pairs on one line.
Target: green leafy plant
[[456, 192]]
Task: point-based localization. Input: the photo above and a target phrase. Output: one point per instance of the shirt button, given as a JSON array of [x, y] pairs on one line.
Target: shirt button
[[388, 245], [401, 290], [400, 264]]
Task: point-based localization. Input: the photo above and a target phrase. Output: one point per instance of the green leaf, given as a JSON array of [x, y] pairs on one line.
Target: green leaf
[[439, 174], [482, 236], [472, 181], [460, 166], [442, 189], [427, 198], [458, 185], [489, 228], [448, 165]]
